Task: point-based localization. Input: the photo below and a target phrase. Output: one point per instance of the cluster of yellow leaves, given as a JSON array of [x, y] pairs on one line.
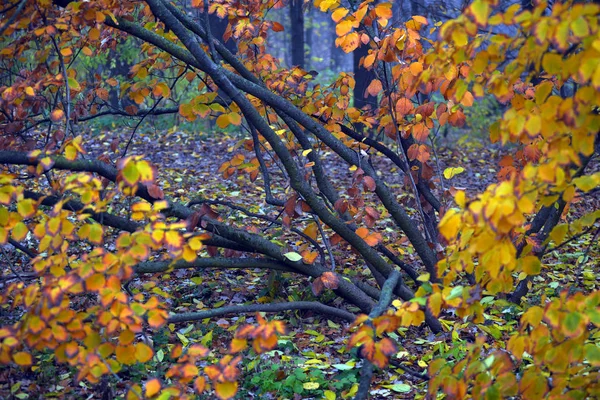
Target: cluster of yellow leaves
[[552, 341], [484, 230], [557, 127]]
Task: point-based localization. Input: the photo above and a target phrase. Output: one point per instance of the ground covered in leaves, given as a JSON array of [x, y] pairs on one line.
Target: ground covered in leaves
[[312, 360]]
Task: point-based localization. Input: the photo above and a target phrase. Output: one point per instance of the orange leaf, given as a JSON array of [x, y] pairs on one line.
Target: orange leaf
[[126, 337], [362, 232], [143, 353], [95, 282], [57, 115], [94, 34], [157, 318], [200, 384], [152, 387], [416, 68], [373, 239], [404, 106], [375, 87], [308, 257], [330, 280], [223, 121], [126, 354]]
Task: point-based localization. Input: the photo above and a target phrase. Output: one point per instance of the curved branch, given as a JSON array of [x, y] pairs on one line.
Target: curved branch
[[269, 308], [152, 267], [232, 83]]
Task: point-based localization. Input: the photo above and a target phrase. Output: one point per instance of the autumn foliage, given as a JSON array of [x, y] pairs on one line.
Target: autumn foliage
[[429, 258]]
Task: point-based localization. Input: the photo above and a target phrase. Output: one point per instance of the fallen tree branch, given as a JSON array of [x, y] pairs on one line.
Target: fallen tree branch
[[269, 308], [152, 267]]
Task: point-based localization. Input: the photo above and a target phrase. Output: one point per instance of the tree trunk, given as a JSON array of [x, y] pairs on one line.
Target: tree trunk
[[363, 78], [297, 39]]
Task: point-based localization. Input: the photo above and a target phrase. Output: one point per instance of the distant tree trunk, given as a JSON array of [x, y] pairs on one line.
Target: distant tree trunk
[[336, 57], [218, 26], [297, 22], [308, 36], [363, 78]]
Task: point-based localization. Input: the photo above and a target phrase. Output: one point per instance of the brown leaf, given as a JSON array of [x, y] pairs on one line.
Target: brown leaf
[[317, 286]]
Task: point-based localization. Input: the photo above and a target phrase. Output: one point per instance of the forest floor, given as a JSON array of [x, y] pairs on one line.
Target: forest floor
[[312, 357]]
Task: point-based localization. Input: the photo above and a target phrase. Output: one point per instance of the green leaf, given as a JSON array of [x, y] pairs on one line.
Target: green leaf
[[399, 387], [455, 293], [592, 354], [343, 367], [73, 84], [293, 256]]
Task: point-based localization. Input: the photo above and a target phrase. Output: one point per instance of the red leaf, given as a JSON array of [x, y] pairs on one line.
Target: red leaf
[[369, 184], [277, 27], [155, 191]]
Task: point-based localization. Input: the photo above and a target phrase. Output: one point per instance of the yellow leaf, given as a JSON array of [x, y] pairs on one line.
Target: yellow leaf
[[338, 14], [533, 125], [329, 395], [225, 390], [451, 172], [587, 183], [23, 359], [531, 265], [450, 224], [223, 121], [558, 233], [311, 385], [26, 208], [19, 232], [195, 243], [343, 27], [480, 10], [235, 118], [311, 230]]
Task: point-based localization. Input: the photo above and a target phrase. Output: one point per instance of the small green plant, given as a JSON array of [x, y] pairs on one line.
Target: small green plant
[[481, 115], [287, 379]]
